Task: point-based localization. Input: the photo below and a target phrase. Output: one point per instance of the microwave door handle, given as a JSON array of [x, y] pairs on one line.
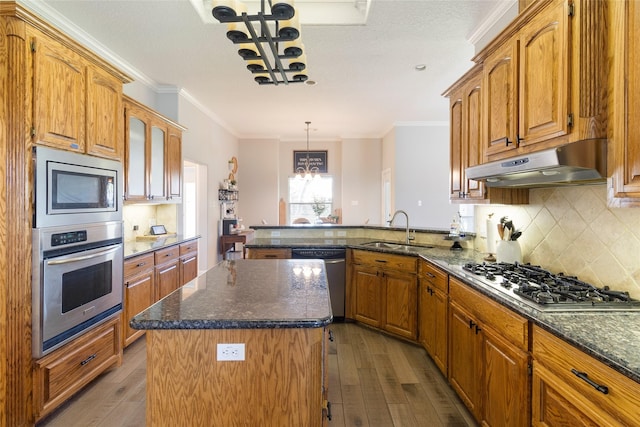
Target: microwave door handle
[[80, 258]]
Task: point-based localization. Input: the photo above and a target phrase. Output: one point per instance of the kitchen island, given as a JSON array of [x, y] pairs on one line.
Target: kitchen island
[[270, 317]]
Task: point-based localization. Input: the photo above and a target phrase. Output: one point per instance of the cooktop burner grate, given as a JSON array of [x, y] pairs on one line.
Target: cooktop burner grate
[[543, 290]]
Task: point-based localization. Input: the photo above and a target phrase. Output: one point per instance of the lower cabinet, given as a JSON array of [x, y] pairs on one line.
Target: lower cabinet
[[167, 269], [433, 308], [152, 276], [571, 388], [385, 288], [268, 253], [60, 374], [488, 358], [139, 293]]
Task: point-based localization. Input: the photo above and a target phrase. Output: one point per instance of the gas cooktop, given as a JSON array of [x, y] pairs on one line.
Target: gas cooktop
[[545, 291]]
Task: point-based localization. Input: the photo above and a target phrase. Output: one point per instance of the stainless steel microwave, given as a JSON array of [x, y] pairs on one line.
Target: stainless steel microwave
[[73, 188]]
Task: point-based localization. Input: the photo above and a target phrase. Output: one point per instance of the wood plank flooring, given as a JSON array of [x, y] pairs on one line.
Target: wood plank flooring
[[374, 380]]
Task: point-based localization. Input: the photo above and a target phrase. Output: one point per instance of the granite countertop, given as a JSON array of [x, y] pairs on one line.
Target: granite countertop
[[246, 294], [139, 247], [613, 337]]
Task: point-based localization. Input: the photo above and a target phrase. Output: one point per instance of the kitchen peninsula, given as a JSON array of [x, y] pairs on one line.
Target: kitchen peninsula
[[242, 344]]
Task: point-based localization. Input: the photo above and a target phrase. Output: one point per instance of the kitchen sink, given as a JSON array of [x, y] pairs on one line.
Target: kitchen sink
[[396, 246]]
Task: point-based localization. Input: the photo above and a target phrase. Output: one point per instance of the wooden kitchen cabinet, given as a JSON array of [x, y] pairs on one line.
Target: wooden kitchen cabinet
[[153, 155], [386, 292], [60, 374], [624, 135], [561, 397], [488, 357], [167, 271], [139, 293], [268, 253], [433, 310], [188, 261], [466, 146], [77, 105], [531, 100]]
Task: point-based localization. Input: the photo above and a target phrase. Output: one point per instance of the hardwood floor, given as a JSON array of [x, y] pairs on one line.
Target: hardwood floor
[[374, 380]]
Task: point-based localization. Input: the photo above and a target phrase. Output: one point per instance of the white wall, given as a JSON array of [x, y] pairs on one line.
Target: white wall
[[421, 174]]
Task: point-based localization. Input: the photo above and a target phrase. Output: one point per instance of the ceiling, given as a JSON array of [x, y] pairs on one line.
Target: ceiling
[[365, 74]]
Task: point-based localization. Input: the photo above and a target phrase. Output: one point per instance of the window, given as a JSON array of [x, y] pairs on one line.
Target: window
[[310, 199]]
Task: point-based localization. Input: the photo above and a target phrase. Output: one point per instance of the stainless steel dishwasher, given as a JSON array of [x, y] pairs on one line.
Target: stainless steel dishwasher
[[334, 261]]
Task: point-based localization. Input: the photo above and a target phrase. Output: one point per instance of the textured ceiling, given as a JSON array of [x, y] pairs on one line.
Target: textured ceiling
[[366, 81]]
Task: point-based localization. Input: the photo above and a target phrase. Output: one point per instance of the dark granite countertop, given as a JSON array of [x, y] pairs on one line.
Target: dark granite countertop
[[246, 294], [611, 337], [139, 247]]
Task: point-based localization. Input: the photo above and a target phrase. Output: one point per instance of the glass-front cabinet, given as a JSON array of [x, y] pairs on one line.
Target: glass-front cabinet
[[151, 167]]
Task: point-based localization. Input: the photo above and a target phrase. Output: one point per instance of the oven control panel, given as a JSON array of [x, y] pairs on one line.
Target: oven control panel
[[59, 239]]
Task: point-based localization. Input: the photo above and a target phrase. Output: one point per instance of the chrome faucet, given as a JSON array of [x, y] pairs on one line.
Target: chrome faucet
[[394, 217]]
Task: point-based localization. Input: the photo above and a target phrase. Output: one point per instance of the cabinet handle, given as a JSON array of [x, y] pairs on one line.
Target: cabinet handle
[[381, 260], [471, 324], [478, 329], [583, 376], [431, 276], [328, 410], [330, 335], [519, 139], [88, 359], [140, 264]]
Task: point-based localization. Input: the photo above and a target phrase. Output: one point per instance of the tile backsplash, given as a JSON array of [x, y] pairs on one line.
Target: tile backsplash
[[571, 230], [144, 216]]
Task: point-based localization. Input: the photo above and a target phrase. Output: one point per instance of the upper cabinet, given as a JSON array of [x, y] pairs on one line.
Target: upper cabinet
[[545, 78], [465, 112], [77, 105], [624, 135], [153, 160]]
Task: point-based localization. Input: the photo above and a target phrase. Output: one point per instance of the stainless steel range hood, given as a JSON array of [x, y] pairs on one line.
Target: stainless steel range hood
[[582, 162]]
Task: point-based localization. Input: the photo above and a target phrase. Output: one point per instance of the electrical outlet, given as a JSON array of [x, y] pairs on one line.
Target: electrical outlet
[[342, 234], [328, 234], [275, 234], [227, 352]]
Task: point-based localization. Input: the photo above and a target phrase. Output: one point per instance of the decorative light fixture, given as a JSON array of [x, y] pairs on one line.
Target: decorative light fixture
[[308, 172], [265, 48]]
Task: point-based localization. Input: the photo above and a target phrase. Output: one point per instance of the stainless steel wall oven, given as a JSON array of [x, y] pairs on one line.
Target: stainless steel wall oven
[[77, 281]]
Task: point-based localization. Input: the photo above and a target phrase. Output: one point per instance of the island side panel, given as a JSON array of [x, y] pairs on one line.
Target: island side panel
[[279, 382]]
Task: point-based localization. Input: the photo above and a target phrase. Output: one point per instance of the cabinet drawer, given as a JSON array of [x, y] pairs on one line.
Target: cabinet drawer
[[138, 265], [623, 394], [167, 254], [60, 374], [269, 253], [379, 259], [438, 278], [504, 321], [188, 247]]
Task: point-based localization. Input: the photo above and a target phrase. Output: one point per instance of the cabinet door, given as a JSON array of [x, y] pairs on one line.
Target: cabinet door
[[368, 286], [465, 358], [500, 99], [157, 181], [455, 156], [174, 165], [167, 278], [136, 154], [433, 312], [401, 315], [188, 268], [506, 383], [58, 95], [104, 115], [472, 128], [544, 76], [138, 296]]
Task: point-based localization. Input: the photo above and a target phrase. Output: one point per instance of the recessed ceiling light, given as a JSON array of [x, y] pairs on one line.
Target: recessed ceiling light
[[421, 67], [310, 82]]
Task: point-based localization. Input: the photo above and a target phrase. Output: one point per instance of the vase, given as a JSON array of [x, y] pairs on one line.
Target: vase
[[508, 251]]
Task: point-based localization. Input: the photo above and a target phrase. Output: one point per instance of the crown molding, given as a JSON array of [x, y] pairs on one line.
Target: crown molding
[[496, 14]]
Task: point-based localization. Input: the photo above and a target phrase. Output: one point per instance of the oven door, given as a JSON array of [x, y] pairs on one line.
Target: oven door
[[77, 291]]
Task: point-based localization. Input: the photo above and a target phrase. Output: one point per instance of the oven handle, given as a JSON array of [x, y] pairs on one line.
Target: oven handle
[[82, 258]]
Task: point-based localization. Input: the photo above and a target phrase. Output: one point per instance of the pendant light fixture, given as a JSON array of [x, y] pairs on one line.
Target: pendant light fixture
[[273, 48], [308, 172]]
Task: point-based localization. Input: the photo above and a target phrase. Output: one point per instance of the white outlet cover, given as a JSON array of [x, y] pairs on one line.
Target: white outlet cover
[[230, 352]]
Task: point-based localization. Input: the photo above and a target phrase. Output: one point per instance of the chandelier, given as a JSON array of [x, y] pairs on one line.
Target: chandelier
[[308, 172], [272, 48]]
